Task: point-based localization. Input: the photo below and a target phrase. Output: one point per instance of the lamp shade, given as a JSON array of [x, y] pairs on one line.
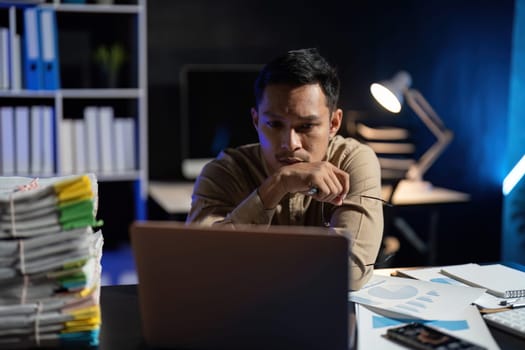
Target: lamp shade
[[389, 93]]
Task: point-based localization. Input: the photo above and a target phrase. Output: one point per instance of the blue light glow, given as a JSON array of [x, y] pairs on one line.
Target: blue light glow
[[514, 176]]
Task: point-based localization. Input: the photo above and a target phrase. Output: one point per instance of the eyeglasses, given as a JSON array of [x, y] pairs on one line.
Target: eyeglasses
[[381, 263], [387, 203], [314, 190], [327, 222]]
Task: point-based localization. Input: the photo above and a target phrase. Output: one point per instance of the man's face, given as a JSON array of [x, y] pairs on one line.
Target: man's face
[[294, 124]]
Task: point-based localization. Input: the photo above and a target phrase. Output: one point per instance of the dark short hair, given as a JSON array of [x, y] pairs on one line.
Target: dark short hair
[[300, 67]]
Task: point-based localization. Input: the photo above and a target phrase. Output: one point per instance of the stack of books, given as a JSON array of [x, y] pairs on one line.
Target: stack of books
[[49, 262]]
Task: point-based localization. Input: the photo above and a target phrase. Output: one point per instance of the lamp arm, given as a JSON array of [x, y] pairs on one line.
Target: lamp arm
[[432, 121]]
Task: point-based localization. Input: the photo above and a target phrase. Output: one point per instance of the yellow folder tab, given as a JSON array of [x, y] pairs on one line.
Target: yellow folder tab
[[87, 291], [85, 312], [92, 321], [62, 184], [77, 329], [73, 188], [83, 325]]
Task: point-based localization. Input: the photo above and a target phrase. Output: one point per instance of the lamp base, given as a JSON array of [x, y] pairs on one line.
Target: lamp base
[[415, 192], [413, 186]]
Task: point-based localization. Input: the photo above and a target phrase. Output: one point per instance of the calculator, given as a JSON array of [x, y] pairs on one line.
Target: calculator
[[416, 335]]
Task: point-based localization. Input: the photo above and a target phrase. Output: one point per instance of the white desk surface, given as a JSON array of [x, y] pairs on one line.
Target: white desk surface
[[410, 193], [175, 197]]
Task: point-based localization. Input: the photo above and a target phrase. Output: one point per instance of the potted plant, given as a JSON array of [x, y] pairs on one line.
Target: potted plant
[[110, 60]]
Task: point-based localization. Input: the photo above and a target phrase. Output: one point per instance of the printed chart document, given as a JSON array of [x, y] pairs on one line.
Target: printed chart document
[[468, 325], [413, 298]]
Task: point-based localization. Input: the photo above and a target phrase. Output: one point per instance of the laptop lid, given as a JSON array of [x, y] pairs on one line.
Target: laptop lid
[[249, 288]]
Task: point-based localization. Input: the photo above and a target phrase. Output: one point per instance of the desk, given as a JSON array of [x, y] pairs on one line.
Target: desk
[[408, 193], [173, 197], [121, 327], [417, 193], [121, 322]]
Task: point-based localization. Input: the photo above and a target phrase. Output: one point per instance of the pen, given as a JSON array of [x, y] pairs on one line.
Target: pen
[[517, 305]]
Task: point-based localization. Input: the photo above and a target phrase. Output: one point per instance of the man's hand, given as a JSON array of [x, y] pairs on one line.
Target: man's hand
[[332, 183]]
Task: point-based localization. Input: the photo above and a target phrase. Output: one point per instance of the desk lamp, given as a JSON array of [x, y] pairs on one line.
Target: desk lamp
[[389, 94]]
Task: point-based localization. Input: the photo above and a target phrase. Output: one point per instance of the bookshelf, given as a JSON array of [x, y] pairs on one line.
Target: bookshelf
[[85, 32]]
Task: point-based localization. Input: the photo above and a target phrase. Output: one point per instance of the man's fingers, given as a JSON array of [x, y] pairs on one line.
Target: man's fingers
[[331, 187], [344, 180], [321, 180]]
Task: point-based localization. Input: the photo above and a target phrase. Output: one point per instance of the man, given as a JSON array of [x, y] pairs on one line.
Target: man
[[300, 172]]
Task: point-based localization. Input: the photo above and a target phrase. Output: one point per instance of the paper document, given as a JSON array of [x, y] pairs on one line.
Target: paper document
[[419, 299], [499, 280], [468, 325], [433, 274]]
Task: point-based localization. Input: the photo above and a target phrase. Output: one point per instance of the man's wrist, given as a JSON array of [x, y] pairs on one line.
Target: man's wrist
[[271, 191]]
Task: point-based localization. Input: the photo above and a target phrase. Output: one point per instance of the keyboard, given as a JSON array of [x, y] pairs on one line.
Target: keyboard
[[512, 321]]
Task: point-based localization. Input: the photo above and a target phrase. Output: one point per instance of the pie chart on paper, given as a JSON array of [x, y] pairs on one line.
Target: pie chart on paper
[[399, 291]]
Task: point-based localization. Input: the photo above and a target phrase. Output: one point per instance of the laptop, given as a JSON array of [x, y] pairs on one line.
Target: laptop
[[281, 287]]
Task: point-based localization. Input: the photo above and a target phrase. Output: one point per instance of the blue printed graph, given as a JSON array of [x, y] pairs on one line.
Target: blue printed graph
[[445, 280], [409, 297], [381, 322], [393, 292]]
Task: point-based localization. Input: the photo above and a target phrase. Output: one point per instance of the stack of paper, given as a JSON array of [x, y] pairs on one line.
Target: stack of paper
[[49, 262]]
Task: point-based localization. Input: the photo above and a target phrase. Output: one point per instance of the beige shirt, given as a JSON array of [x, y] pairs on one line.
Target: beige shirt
[[226, 193]]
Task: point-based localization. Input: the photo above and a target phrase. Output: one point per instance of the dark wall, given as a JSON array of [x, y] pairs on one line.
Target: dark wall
[[458, 53]]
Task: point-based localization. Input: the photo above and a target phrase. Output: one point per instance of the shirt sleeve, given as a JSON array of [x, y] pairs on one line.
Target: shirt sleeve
[[361, 218], [215, 196]]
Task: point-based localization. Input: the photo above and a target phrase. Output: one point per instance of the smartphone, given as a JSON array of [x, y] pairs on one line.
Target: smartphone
[[416, 335]]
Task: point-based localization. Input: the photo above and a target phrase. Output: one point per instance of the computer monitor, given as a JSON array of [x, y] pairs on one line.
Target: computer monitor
[[215, 111]]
